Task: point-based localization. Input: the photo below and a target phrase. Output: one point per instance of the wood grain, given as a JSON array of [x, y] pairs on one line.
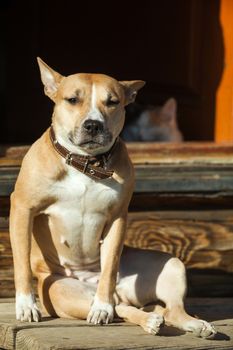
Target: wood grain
[[5, 247], [201, 239], [6, 263], [198, 243]]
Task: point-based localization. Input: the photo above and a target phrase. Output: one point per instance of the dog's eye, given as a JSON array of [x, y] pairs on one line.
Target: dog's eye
[[111, 102], [72, 100]]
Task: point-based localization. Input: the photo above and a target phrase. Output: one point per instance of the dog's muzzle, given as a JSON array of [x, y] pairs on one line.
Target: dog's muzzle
[[92, 134], [93, 127]]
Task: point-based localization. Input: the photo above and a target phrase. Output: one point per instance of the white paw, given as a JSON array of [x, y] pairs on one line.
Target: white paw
[[200, 328], [100, 312], [153, 323], [26, 308]]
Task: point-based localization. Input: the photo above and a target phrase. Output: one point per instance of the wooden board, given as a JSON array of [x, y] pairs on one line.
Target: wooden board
[[75, 334], [201, 239], [160, 168], [182, 153], [149, 153]]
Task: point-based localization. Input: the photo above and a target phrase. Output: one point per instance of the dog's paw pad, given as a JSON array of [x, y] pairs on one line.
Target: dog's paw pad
[[153, 323], [100, 313], [200, 328], [26, 308]]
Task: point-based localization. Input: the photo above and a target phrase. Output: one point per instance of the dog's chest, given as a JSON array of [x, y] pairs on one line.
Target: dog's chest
[[82, 209], [87, 194]]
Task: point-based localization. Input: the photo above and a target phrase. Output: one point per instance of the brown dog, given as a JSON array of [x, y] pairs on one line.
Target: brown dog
[[68, 216]]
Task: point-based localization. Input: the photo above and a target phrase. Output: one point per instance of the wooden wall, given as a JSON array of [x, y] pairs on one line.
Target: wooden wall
[[182, 204]]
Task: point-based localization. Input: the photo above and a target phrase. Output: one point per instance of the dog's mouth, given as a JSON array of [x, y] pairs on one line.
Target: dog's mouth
[[91, 144], [87, 142]]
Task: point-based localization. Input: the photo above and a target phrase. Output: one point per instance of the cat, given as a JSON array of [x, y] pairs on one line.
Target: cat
[[152, 124]]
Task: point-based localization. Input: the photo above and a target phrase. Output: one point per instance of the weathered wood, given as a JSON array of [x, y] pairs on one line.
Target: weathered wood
[[160, 179], [188, 153], [5, 247], [189, 167], [184, 178], [72, 334], [194, 179], [150, 201], [200, 240], [145, 153], [7, 287], [8, 176]]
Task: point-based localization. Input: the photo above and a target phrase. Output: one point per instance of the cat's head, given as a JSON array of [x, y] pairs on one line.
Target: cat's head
[[159, 124]]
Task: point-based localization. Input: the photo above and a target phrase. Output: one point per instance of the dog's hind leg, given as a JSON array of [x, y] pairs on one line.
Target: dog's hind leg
[[171, 289], [150, 276], [149, 321], [65, 296]]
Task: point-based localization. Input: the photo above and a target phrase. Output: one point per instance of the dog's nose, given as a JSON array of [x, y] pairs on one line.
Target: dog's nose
[[93, 127]]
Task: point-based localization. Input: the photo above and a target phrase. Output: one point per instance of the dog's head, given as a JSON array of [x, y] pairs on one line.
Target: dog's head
[[89, 110]]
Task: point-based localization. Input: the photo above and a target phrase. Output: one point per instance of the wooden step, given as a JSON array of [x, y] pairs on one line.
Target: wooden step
[[54, 334]]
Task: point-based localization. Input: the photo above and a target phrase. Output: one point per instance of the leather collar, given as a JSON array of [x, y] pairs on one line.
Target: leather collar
[[94, 167]]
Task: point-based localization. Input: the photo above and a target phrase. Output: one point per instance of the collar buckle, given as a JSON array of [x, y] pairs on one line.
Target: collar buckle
[[85, 166], [68, 158]]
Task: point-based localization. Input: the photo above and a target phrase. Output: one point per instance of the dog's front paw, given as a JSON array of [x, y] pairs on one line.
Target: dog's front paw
[[100, 312], [153, 323], [26, 308], [200, 328]]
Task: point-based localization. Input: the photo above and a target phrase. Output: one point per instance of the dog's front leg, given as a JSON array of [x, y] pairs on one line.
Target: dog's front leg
[[21, 219], [102, 310]]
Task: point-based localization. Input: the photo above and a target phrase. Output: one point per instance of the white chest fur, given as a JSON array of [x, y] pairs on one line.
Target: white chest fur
[[78, 217]]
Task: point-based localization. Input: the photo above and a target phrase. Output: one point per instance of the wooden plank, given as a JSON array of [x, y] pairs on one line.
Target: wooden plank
[[197, 242], [149, 201], [5, 247], [183, 178], [189, 167], [8, 176], [150, 153], [203, 239], [188, 153], [72, 334], [159, 179]]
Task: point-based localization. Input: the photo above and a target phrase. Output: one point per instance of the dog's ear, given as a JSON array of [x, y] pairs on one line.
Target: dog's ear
[[131, 88], [50, 79]]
